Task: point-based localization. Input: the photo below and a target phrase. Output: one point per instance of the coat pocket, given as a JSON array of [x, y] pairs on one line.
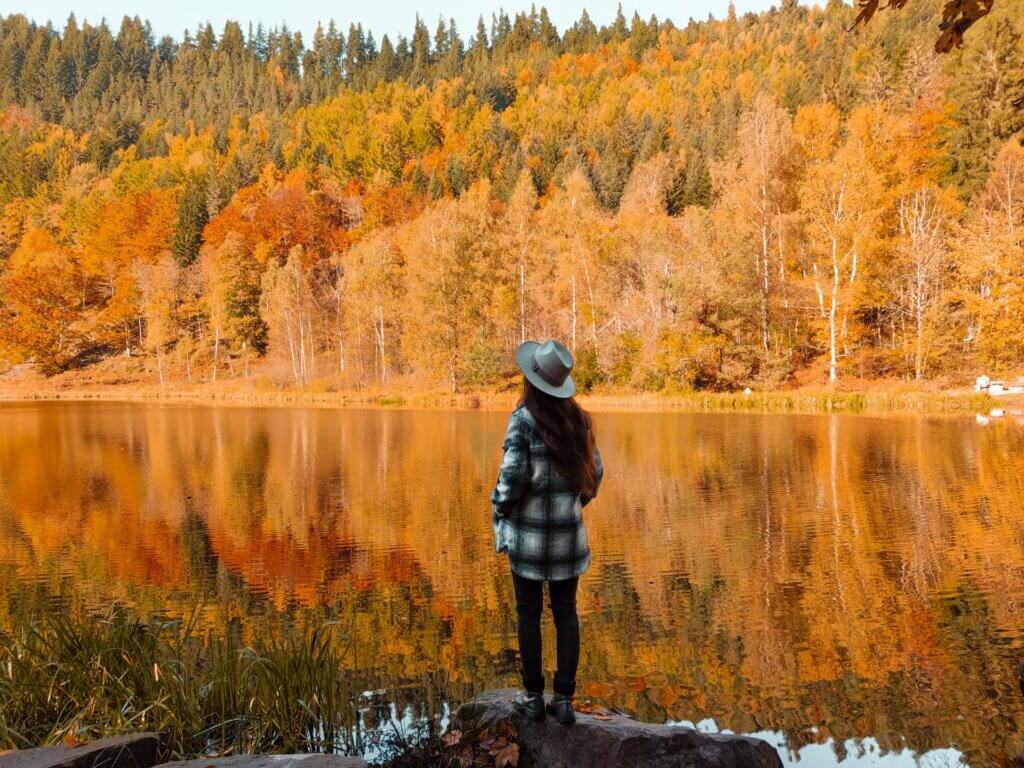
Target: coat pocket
[[500, 525]]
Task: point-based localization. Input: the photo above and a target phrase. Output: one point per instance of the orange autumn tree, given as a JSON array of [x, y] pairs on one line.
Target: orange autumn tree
[[43, 290], [126, 235], [261, 225]]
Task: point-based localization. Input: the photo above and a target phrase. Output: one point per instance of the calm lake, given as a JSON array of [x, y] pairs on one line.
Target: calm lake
[[851, 588]]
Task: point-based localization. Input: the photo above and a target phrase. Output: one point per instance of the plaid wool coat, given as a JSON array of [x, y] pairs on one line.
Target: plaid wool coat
[[537, 517]]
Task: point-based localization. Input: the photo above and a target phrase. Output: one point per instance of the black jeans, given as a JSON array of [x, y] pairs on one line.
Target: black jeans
[[529, 603]]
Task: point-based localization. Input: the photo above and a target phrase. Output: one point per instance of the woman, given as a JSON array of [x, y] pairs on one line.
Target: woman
[[550, 471]]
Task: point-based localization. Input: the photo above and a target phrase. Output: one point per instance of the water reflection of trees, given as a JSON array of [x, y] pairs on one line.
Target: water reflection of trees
[[864, 576]]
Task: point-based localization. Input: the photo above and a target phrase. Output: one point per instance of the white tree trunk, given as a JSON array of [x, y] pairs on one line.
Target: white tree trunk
[[833, 368], [522, 295], [216, 351]]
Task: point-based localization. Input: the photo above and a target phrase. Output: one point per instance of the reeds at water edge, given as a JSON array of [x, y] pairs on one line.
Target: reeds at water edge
[[73, 676]]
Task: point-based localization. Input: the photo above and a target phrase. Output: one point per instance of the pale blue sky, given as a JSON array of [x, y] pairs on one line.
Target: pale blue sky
[[173, 16]]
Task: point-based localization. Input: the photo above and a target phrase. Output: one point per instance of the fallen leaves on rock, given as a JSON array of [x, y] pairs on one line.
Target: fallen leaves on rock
[[507, 755], [497, 747], [595, 710], [452, 738]]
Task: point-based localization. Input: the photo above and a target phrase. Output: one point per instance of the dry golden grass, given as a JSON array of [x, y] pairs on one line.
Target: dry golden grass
[[875, 397]]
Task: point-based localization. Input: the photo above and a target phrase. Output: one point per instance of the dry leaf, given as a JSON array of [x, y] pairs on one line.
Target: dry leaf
[[507, 756], [71, 741], [452, 738]]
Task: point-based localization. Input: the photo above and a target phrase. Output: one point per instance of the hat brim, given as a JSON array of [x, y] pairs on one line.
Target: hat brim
[[524, 359]]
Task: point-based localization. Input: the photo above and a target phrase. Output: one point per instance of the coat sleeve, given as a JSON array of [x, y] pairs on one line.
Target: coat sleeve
[[599, 468], [515, 464]]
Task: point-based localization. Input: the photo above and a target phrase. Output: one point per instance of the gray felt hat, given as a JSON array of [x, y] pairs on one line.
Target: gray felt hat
[[548, 367]]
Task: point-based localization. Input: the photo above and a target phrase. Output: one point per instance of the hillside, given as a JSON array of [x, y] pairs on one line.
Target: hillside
[[763, 200]]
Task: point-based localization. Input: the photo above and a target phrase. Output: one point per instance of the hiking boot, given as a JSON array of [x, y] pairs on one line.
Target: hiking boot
[[561, 709], [530, 704]]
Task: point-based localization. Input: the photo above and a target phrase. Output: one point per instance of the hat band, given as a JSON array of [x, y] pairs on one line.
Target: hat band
[[544, 374]]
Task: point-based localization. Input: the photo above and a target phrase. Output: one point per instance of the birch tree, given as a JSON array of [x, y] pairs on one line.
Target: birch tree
[[287, 308], [991, 250], [751, 183], [157, 283], [573, 229], [838, 201], [519, 218], [375, 268], [921, 271], [452, 276]]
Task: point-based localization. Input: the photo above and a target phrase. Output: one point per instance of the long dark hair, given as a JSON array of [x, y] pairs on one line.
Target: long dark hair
[[568, 432]]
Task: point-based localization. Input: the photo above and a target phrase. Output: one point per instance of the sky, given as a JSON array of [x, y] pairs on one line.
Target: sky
[[172, 17]]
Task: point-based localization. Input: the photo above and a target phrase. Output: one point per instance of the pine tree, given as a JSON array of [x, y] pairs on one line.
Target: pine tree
[[478, 55], [420, 53], [386, 67], [191, 217], [698, 190], [355, 52], [547, 31], [990, 103], [620, 27], [583, 36]]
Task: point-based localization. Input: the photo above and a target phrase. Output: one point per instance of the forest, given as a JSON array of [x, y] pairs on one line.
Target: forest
[[764, 200]]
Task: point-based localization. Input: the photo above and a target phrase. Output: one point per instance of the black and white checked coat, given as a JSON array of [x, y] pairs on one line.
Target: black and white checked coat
[[537, 517]]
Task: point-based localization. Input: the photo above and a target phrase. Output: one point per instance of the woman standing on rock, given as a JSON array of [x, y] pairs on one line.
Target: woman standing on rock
[[551, 469]]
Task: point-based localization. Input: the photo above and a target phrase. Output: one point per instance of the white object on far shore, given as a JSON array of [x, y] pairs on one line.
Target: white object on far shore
[[996, 388]]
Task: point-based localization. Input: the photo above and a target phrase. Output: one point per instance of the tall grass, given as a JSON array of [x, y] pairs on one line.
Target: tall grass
[[799, 401], [74, 676], [898, 397]]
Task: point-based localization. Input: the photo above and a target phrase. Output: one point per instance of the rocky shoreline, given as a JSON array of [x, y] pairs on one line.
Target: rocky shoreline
[[485, 731]]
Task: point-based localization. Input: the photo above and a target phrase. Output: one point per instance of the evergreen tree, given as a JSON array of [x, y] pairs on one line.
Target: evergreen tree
[[691, 185], [420, 53], [641, 36], [620, 28], [501, 28], [989, 95], [582, 36], [547, 31], [478, 55], [386, 67], [355, 52], [190, 218]]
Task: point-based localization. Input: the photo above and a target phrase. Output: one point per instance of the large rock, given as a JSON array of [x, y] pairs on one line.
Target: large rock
[[610, 740], [272, 761], [136, 750]]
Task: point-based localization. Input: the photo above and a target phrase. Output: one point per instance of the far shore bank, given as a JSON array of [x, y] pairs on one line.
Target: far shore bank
[[240, 393]]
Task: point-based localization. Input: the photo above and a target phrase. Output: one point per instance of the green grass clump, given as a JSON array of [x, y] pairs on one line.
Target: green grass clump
[[82, 676]]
